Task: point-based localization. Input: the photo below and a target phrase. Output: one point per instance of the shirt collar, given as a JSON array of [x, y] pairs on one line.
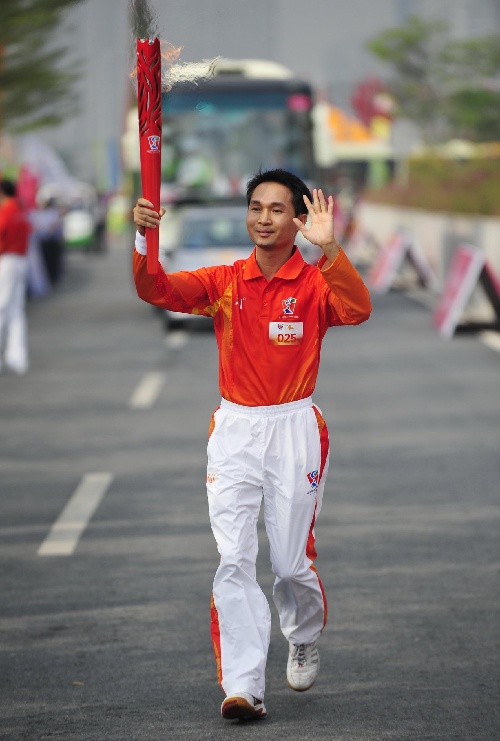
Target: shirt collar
[[289, 271]]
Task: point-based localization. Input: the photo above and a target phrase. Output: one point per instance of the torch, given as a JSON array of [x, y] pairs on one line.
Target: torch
[[150, 124]]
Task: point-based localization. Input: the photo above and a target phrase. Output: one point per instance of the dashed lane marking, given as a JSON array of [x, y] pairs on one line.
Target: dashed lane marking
[[177, 339], [67, 530], [147, 391]]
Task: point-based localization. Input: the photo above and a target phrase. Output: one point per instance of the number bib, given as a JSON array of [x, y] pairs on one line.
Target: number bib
[[286, 333]]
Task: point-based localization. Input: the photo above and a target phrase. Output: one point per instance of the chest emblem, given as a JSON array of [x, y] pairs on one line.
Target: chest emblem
[[289, 305]]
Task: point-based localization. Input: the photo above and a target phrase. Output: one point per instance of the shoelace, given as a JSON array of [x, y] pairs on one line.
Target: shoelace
[[300, 653]]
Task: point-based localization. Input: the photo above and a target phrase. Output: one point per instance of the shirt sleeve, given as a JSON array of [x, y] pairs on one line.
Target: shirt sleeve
[[347, 297], [183, 291]]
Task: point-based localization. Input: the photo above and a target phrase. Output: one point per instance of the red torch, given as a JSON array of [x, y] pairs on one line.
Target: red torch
[[149, 111]]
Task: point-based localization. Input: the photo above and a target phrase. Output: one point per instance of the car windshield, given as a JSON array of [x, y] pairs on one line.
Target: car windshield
[[214, 232]]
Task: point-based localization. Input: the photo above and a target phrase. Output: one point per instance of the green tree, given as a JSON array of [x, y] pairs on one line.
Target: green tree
[[448, 88], [36, 81], [473, 77], [413, 51]]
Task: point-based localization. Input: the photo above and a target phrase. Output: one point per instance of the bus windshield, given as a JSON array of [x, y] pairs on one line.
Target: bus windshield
[[218, 134]]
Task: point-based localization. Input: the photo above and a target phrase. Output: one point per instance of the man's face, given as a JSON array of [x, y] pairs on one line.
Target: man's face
[[269, 217]]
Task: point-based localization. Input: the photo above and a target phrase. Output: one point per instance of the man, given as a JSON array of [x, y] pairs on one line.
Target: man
[[48, 226], [268, 442], [14, 240]]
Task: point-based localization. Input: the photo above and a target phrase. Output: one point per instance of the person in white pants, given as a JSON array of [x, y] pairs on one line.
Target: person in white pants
[[268, 443], [246, 452], [14, 241], [13, 330]]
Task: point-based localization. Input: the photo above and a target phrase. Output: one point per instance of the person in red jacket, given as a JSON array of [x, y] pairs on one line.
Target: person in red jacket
[[268, 442], [14, 241]]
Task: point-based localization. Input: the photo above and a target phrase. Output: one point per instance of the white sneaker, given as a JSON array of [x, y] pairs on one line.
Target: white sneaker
[[303, 666], [243, 706]]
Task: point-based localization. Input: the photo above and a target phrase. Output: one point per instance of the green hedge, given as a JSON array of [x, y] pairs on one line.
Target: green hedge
[[437, 184]]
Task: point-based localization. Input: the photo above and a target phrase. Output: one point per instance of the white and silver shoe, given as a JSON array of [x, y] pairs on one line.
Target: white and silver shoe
[[303, 666], [242, 706]]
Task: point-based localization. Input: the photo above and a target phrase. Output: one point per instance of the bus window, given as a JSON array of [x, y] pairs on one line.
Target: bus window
[[218, 133]]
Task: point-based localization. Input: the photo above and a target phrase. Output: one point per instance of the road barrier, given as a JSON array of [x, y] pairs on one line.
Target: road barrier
[[460, 274]]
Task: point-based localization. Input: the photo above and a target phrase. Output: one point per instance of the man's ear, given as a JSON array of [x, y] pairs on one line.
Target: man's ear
[[302, 218]]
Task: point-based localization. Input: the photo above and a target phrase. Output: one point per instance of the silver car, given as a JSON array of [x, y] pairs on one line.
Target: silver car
[[193, 237]]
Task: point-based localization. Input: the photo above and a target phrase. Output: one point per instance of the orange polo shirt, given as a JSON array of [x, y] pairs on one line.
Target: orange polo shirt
[[269, 333]]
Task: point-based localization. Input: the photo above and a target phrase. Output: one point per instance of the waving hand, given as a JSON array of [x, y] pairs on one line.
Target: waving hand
[[320, 231]]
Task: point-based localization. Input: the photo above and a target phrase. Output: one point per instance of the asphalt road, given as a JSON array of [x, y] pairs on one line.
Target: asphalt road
[[110, 640]]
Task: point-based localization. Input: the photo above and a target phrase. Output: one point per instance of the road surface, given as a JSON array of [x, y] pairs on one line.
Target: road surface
[[107, 557]]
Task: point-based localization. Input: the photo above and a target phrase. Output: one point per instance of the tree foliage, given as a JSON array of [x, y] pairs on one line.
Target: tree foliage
[[36, 81], [473, 79], [449, 88]]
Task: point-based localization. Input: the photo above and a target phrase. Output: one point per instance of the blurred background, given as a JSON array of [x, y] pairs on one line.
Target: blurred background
[[366, 100], [325, 44]]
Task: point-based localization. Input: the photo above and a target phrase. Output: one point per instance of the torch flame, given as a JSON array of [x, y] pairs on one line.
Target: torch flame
[[170, 55], [174, 71], [169, 52]]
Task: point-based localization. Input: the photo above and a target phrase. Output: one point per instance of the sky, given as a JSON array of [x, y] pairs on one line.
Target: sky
[[323, 41]]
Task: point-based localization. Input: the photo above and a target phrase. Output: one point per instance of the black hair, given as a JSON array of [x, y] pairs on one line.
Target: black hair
[[8, 188], [294, 184]]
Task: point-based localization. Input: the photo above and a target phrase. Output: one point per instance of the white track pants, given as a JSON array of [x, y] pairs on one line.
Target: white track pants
[[279, 455], [13, 334]]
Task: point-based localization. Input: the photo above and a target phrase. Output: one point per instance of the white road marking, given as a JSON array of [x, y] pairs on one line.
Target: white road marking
[[492, 339], [69, 526], [147, 391], [177, 339]]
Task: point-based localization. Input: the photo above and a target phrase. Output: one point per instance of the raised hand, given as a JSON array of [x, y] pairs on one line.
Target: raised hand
[[321, 229]]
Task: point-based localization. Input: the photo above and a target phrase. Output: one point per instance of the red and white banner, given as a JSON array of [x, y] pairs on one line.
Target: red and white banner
[[467, 269], [390, 260]]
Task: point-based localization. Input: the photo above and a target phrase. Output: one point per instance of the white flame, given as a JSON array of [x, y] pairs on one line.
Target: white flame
[[173, 71], [188, 72]]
